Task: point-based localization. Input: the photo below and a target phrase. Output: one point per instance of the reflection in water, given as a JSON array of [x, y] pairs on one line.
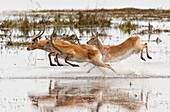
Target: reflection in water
[[86, 95], [89, 95]]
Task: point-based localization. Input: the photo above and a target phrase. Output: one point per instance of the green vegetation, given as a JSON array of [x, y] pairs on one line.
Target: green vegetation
[[83, 21], [10, 43], [22, 23], [127, 27], [130, 13], [77, 20]]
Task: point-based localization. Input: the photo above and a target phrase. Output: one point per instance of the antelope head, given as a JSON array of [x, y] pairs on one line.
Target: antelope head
[[47, 45], [49, 42], [50, 45], [94, 40], [34, 44]]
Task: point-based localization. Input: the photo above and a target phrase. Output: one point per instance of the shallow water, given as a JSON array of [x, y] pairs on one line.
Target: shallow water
[[136, 86], [124, 95], [27, 74]]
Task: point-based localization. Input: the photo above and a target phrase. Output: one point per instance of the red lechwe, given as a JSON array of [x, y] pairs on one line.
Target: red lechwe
[[76, 53], [121, 51]]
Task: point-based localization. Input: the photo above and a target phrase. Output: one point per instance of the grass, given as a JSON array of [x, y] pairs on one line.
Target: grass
[[10, 43], [28, 22], [127, 27], [132, 13], [81, 20], [77, 20]]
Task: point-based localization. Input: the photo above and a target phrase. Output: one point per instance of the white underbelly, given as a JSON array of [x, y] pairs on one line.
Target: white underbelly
[[122, 57], [63, 56], [78, 60]]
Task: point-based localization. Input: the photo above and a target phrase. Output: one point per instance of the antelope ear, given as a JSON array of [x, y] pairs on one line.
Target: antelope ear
[[93, 34], [97, 34], [36, 40], [47, 38]]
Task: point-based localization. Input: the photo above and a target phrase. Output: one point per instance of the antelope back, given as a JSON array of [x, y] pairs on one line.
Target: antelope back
[[87, 47]]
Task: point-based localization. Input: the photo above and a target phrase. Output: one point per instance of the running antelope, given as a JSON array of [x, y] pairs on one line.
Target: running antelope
[[37, 44], [76, 53], [121, 51]]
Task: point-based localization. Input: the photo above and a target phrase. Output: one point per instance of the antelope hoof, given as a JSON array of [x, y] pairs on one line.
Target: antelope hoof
[[60, 65], [149, 57], [53, 65], [143, 59], [73, 65]]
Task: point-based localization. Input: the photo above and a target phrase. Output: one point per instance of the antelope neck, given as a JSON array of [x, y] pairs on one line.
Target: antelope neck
[[101, 48]]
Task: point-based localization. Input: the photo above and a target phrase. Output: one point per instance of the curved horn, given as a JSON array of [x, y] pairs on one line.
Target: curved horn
[[42, 32], [37, 35]]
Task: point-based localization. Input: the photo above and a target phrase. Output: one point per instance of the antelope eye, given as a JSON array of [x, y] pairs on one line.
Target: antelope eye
[[93, 38], [33, 43], [48, 42]]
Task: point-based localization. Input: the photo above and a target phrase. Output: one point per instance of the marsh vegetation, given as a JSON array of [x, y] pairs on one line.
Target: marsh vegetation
[[75, 24], [27, 73]]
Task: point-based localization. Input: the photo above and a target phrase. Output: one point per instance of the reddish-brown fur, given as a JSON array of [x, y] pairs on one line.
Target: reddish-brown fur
[[132, 44], [80, 96], [37, 44], [77, 53]]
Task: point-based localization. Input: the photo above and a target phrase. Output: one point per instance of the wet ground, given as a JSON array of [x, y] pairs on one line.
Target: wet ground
[[84, 95], [28, 83], [138, 86]]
